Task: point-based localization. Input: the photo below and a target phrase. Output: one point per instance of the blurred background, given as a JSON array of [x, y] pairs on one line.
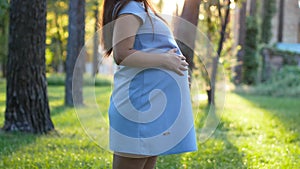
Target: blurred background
[[244, 60], [261, 38]]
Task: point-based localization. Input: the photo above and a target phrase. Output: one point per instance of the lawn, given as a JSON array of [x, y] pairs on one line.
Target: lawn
[[255, 132]]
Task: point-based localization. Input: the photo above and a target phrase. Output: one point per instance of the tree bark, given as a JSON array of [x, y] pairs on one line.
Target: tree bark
[[96, 41], [190, 13], [241, 43], [252, 10], [75, 44], [27, 107]]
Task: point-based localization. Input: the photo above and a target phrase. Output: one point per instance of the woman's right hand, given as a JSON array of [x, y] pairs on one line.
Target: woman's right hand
[[175, 62]]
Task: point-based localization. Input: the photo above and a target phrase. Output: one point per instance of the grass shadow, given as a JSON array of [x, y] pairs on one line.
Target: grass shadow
[[56, 110], [11, 142], [285, 110], [216, 152]]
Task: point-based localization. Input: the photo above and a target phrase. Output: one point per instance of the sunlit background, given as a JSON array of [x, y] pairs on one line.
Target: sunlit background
[[169, 6]]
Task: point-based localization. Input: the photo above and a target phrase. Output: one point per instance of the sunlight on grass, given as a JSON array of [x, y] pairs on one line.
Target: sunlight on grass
[[255, 132], [67, 147], [270, 138]]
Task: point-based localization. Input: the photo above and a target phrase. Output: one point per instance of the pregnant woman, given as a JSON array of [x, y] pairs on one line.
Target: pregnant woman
[[150, 109]]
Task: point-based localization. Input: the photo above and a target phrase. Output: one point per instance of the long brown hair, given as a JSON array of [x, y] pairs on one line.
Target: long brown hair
[[109, 14]]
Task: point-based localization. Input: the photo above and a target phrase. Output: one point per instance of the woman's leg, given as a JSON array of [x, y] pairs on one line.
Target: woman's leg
[[150, 163], [121, 162]]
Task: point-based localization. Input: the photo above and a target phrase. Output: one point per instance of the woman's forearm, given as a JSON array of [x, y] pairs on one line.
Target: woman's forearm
[[169, 60], [141, 59]]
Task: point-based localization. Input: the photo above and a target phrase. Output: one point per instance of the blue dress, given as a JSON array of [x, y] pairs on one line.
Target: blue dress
[[150, 109]]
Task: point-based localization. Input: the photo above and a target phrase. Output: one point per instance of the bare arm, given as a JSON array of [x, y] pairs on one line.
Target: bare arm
[[125, 29]]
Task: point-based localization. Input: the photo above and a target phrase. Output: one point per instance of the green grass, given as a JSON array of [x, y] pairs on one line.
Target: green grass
[[255, 132], [58, 79]]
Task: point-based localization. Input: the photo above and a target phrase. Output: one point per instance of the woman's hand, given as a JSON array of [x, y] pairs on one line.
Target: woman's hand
[[175, 62]]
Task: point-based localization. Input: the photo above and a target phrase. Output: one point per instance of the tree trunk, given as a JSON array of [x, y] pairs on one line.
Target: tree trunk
[[96, 41], [75, 44], [209, 52], [241, 43], [280, 21], [220, 47], [252, 10], [27, 107], [190, 13]]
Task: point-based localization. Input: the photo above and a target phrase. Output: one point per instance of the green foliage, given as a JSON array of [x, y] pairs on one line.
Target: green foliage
[[269, 9], [57, 34], [57, 31], [250, 60], [211, 25], [4, 5], [90, 21], [286, 82], [289, 58], [59, 80]]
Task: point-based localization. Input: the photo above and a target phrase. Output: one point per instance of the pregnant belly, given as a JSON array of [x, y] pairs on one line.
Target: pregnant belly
[[150, 92]]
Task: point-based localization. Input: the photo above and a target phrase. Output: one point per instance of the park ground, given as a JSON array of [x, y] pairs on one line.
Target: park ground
[[254, 132]]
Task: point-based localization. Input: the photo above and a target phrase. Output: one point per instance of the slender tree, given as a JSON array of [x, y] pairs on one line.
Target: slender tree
[[96, 40], [224, 21], [75, 44], [253, 7], [280, 21], [27, 107]]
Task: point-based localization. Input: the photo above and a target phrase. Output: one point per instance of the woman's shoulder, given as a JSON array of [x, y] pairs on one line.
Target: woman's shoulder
[[135, 6]]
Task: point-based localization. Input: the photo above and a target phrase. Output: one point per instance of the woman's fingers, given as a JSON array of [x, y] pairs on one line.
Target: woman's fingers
[[174, 50], [183, 68], [182, 57], [178, 62], [179, 72], [184, 63]]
